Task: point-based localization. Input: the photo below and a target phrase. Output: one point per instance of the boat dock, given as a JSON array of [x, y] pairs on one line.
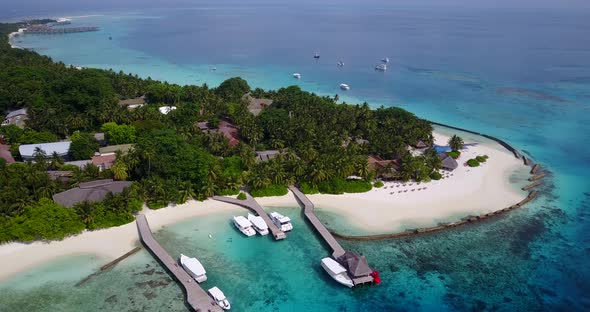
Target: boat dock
[[356, 265], [196, 297], [251, 204]]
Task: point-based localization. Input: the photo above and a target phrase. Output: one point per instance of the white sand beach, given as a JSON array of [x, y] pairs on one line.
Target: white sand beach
[[108, 243], [393, 208]]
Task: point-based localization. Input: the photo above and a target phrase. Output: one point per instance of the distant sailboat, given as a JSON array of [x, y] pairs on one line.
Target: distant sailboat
[[316, 56]]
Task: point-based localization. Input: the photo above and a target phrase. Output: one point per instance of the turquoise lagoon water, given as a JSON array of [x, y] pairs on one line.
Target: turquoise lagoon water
[[521, 75]]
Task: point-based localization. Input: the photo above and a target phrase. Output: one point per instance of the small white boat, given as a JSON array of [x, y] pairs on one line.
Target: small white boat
[[194, 268], [258, 224], [340, 63], [219, 298], [282, 222], [385, 60], [297, 75], [316, 55], [337, 272], [381, 67], [244, 226], [344, 86]]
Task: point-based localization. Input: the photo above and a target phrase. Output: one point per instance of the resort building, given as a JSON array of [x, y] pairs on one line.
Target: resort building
[[229, 131], [79, 163], [132, 104], [448, 162], [357, 267], [255, 106], [384, 168], [5, 154], [60, 175], [166, 109], [104, 162], [266, 155], [27, 151], [112, 149], [17, 118], [100, 138], [93, 191]]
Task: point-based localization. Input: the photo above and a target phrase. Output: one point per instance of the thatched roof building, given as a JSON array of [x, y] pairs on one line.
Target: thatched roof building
[[448, 162], [93, 191]]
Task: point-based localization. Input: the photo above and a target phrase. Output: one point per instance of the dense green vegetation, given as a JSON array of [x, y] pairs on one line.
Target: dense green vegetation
[[454, 154], [378, 184], [473, 163], [242, 196], [321, 143]]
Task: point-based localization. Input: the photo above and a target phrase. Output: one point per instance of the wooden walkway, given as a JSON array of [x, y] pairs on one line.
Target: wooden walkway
[[196, 297], [251, 204], [308, 211]]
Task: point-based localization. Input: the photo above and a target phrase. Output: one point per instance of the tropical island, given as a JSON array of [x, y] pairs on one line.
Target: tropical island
[[85, 149]]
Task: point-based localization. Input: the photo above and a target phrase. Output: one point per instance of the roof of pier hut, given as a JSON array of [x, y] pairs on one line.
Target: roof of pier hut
[[356, 264]]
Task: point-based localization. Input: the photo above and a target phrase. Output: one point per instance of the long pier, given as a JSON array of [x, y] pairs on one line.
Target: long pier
[[356, 265], [251, 204], [196, 297]]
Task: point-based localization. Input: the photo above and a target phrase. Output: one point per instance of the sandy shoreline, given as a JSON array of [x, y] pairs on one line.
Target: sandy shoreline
[[393, 208]]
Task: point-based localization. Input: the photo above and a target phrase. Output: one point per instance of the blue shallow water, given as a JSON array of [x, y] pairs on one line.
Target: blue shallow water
[[521, 75]]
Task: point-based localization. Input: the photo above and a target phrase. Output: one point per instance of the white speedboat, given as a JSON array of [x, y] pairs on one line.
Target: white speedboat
[[194, 268], [385, 60], [244, 226], [282, 222], [297, 75], [381, 67], [219, 298], [340, 63], [344, 86], [337, 272], [258, 224]]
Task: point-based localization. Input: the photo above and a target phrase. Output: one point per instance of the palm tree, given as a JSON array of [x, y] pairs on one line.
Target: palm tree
[[86, 212], [119, 170], [56, 161], [456, 142], [185, 192]]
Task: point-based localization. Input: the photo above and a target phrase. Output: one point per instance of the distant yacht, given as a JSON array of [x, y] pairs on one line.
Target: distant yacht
[[381, 67], [219, 297], [340, 63], [344, 86], [194, 268], [244, 226], [213, 68], [337, 272], [258, 224], [316, 55], [297, 75], [385, 60], [282, 222]]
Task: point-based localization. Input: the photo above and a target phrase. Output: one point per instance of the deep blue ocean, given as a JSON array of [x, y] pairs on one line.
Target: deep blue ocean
[[522, 75]]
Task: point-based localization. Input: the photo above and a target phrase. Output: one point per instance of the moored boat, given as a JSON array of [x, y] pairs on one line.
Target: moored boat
[[381, 67], [337, 272], [385, 60], [194, 268], [219, 298], [258, 224], [282, 222], [344, 86], [297, 75], [244, 226]]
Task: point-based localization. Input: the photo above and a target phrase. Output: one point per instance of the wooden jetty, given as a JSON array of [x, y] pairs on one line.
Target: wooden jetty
[[530, 186], [535, 168], [45, 29], [537, 177], [196, 297], [356, 265], [251, 204]]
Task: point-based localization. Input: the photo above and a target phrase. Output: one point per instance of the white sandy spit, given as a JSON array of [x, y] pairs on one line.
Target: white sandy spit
[[108, 243]]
